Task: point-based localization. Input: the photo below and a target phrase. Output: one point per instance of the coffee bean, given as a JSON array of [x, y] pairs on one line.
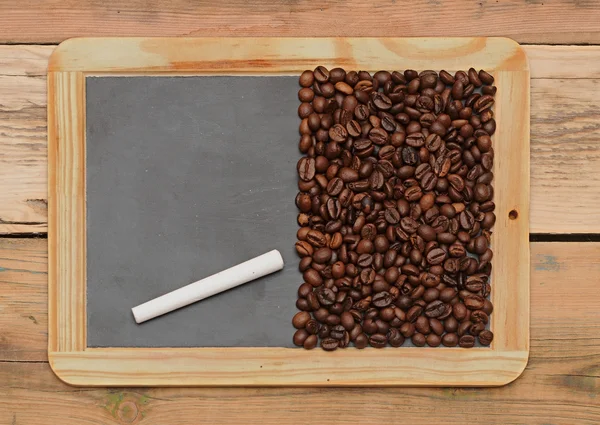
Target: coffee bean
[[418, 340], [486, 337], [306, 169], [378, 340], [316, 238], [321, 74], [413, 313], [322, 255], [474, 302], [435, 309], [382, 299], [466, 341], [310, 342], [300, 337], [312, 277], [450, 340], [395, 338], [312, 327], [300, 319], [329, 344]]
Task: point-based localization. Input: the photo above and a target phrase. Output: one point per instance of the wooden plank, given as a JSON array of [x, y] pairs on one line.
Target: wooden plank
[[567, 139], [548, 21], [23, 300], [74, 363], [574, 62], [565, 156], [561, 384]]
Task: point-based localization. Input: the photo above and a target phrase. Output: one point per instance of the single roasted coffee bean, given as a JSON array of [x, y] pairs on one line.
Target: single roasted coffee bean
[[378, 340], [301, 319], [329, 344], [466, 341], [486, 337], [418, 339], [450, 340]]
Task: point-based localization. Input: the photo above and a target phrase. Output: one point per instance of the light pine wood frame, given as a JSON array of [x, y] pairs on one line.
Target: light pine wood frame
[[75, 363]]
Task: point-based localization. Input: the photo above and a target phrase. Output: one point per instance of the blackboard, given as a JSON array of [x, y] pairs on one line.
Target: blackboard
[[118, 107], [187, 176]]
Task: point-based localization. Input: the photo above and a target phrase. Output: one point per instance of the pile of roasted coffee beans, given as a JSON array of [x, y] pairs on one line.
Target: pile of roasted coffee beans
[[396, 206]]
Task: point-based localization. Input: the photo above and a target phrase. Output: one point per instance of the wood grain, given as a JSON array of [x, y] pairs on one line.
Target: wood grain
[[23, 300], [536, 21], [281, 56], [563, 142], [66, 220], [561, 384], [75, 364], [565, 156]]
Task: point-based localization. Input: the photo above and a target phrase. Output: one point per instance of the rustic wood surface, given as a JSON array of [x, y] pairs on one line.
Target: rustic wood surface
[[532, 21], [561, 384], [565, 128]]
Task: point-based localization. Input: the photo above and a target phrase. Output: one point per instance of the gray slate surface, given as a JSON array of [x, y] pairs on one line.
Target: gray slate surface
[[187, 176]]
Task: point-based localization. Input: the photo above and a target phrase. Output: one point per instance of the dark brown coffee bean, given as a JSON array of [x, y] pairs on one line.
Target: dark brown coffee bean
[[312, 327], [316, 238], [418, 339], [337, 332], [450, 340], [463, 328], [306, 169], [436, 256], [479, 316], [300, 336], [326, 297], [378, 340], [422, 325], [476, 328], [313, 277], [307, 79], [382, 299], [322, 255], [413, 313], [301, 319], [435, 309], [321, 74], [474, 302], [466, 341], [304, 249], [312, 301], [488, 307], [395, 338], [486, 337], [304, 290], [310, 342], [329, 344]]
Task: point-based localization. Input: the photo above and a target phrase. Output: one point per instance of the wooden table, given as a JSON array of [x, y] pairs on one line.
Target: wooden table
[[561, 384]]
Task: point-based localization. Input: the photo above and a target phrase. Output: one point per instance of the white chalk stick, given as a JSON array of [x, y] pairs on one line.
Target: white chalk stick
[[237, 275]]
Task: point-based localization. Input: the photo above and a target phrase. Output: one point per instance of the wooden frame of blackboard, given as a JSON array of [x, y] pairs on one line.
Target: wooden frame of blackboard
[[76, 364]]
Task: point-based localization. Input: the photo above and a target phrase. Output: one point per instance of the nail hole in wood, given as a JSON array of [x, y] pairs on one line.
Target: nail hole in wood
[[513, 215]]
